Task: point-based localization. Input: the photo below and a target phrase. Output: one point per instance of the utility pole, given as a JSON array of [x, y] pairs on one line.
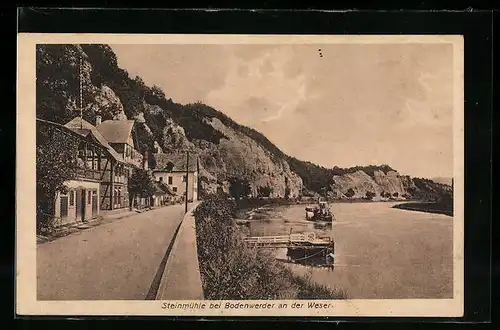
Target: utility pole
[[187, 176], [81, 93]]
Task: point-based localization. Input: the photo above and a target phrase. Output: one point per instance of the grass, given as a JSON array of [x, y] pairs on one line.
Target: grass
[[231, 270]]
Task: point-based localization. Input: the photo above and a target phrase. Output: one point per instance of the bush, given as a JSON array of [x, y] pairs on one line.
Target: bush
[[232, 270], [349, 193], [370, 195], [264, 191], [239, 187]]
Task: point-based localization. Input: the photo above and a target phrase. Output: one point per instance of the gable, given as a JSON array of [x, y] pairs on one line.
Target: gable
[[81, 126], [117, 131]]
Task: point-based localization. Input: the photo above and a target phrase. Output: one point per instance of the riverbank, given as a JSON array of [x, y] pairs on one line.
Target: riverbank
[[231, 270], [427, 207], [244, 206]]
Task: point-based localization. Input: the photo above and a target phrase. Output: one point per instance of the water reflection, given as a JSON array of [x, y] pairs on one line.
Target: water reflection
[[323, 225], [284, 220]]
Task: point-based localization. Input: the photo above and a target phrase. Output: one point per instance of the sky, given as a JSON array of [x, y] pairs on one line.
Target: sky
[[332, 104]]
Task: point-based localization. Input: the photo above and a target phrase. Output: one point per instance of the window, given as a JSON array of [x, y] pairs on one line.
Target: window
[[89, 197], [71, 198], [174, 189], [183, 178], [64, 206], [169, 180], [161, 179]]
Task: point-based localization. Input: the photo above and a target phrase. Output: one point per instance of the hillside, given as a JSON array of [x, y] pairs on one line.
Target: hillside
[[443, 180], [225, 148]]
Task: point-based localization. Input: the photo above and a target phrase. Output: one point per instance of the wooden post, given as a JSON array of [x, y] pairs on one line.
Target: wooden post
[[187, 186], [93, 157], [112, 184], [86, 158]]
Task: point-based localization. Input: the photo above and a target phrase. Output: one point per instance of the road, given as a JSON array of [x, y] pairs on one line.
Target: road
[[113, 261]]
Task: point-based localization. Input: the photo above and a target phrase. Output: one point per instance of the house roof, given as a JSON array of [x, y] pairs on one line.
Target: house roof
[[162, 189], [116, 131], [178, 161], [83, 127]]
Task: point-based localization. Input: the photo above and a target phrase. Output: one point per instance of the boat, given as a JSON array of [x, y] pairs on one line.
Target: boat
[[319, 212]]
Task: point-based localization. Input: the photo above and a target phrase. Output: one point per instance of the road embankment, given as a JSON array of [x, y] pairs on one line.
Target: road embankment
[[181, 278]]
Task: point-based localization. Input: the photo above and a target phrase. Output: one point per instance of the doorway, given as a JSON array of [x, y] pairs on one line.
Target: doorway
[[83, 203]]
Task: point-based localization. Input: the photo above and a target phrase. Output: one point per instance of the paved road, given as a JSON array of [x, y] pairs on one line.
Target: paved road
[[113, 261]]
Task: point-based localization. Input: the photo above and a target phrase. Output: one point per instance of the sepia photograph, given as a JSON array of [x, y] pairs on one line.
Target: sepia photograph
[[241, 175]]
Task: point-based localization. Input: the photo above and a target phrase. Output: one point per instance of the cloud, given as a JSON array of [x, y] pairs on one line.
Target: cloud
[[290, 105], [259, 92], [358, 104]]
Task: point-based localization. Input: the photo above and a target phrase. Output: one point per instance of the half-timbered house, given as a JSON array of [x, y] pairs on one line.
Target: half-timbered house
[[82, 200], [117, 169]]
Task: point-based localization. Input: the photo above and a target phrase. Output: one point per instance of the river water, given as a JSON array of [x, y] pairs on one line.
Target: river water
[[381, 252]]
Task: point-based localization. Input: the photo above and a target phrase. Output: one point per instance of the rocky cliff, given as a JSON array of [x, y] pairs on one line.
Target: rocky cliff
[[380, 186], [225, 148], [237, 155]]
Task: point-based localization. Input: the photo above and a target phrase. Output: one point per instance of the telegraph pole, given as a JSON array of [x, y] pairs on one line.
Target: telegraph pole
[[81, 93], [187, 176]]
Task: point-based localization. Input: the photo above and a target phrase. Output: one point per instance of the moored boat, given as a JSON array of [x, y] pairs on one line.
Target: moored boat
[[319, 212]]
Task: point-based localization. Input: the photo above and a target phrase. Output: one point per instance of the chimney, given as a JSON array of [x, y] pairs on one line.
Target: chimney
[[98, 120]]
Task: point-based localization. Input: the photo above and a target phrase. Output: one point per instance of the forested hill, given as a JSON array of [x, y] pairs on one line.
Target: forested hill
[[225, 148]]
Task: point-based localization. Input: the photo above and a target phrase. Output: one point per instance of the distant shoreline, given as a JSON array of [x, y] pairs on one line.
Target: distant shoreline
[[426, 207], [409, 205], [256, 202]]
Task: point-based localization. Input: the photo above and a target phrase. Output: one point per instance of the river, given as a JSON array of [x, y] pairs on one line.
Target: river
[[381, 252]]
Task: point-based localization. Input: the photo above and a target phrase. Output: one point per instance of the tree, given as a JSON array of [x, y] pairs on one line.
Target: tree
[[264, 191], [370, 195], [239, 188], [157, 92], [349, 193], [58, 83], [140, 184], [56, 163], [287, 192]]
